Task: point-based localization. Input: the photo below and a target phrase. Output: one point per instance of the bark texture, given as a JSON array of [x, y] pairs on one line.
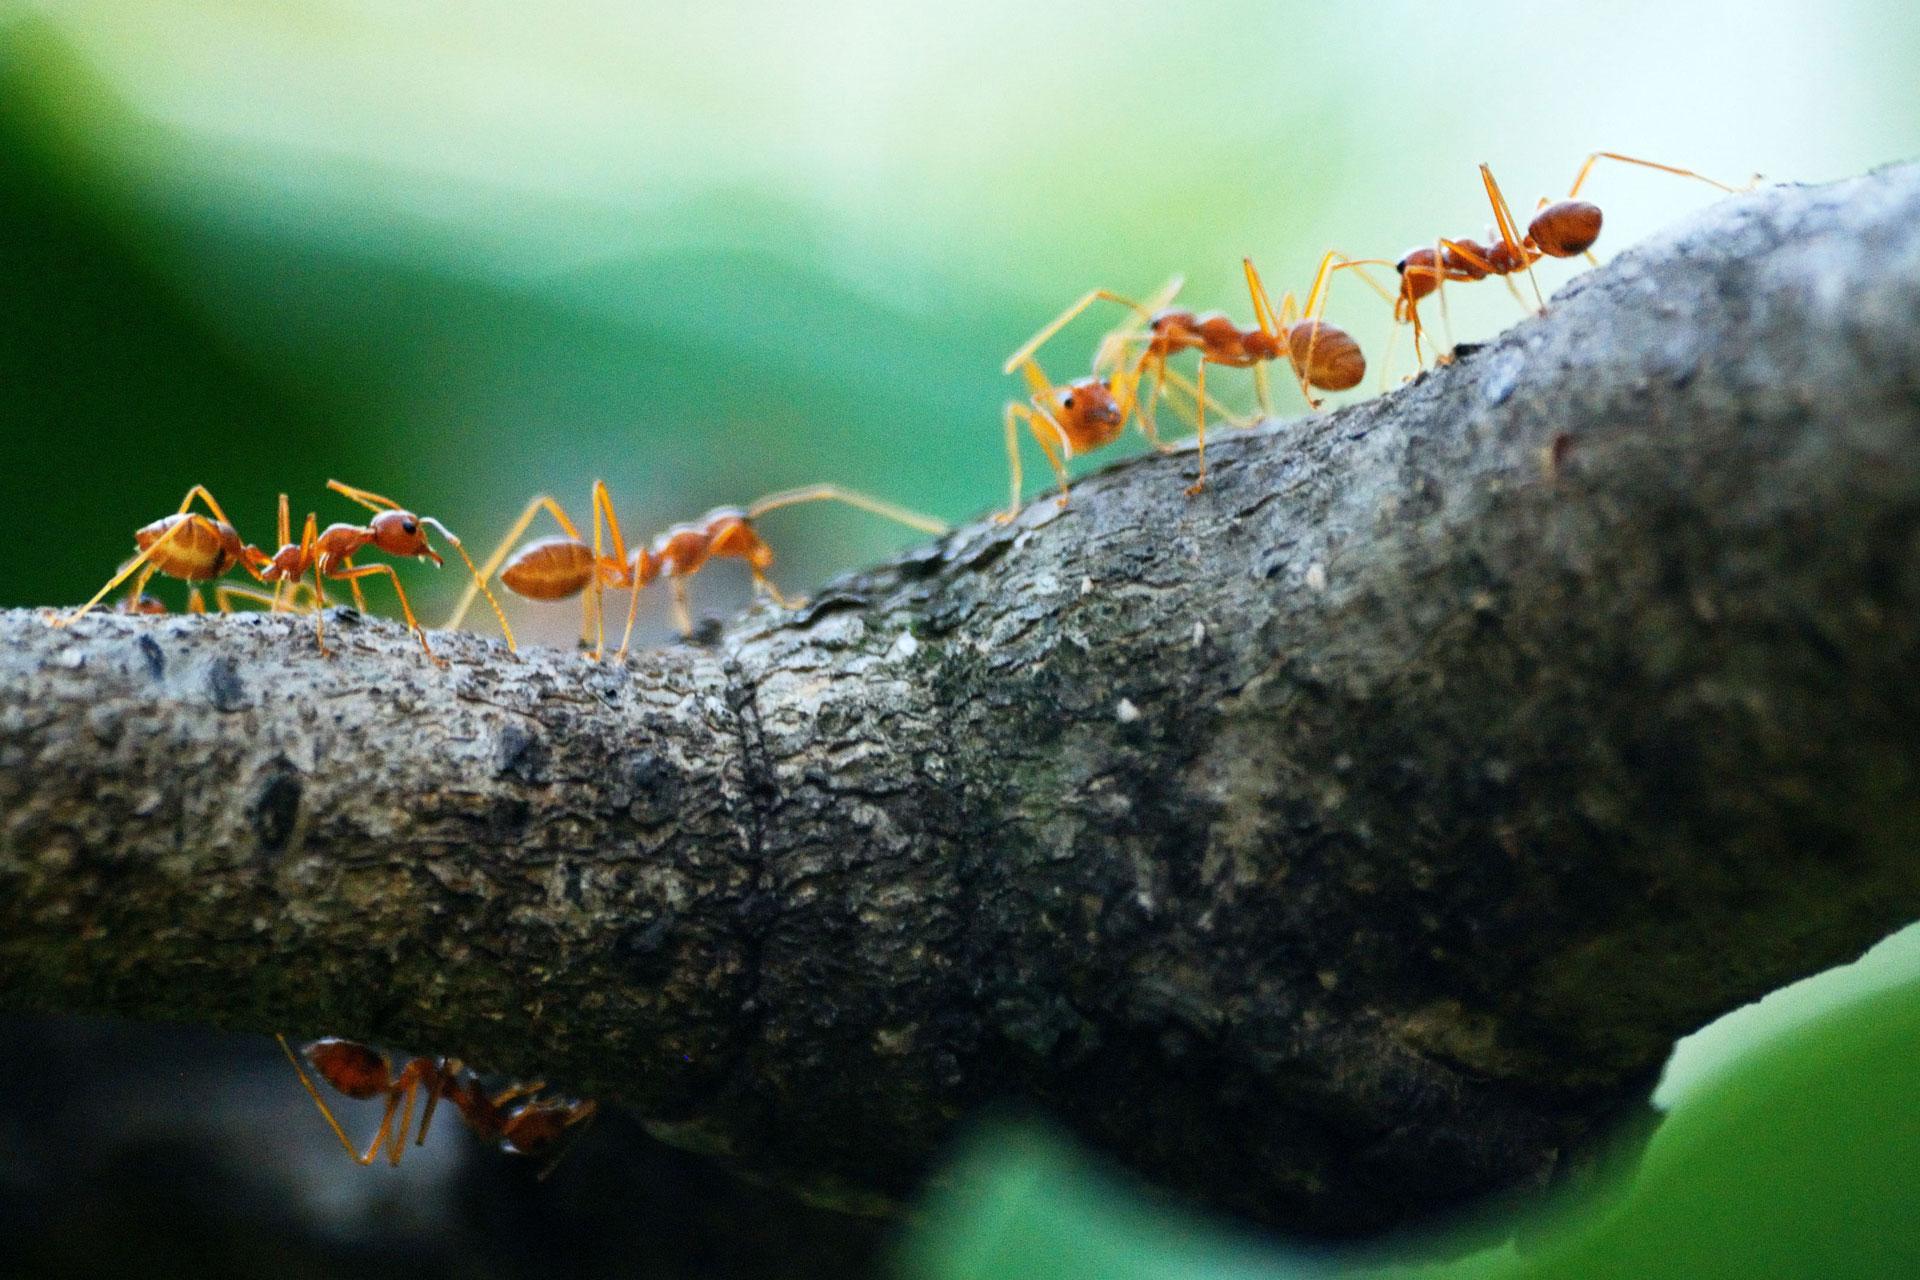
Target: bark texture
[[1343, 843]]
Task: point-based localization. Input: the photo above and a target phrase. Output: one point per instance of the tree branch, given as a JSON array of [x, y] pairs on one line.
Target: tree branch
[[1336, 845]]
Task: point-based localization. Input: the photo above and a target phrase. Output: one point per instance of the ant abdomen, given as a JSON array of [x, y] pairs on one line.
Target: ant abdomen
[[534, 1128], [550, 569], [351, 1067], [202, 549], [1565, 228], [1326, 355]]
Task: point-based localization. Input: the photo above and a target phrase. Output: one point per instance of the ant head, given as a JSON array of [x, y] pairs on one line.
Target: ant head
[[350, 1067], [1092, 402], [399, 533], [733, 536], [534, 1128]]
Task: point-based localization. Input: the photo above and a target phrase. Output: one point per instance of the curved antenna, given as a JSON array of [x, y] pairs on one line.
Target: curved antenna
[[478, 581], [1066, 318], [499, 556], [852, 498]]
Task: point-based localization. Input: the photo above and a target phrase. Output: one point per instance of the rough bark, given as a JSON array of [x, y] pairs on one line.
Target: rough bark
[[1337, 845]]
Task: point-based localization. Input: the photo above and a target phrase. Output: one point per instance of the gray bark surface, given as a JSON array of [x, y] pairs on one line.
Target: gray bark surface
[[1335, 846]]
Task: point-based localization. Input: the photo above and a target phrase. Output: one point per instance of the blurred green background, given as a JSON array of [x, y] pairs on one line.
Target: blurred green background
[[461, 253]]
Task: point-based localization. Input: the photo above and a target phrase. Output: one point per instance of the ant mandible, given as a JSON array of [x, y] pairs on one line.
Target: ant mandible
[[187, 545], [531, 1128], [328, 554], [1562, 228], [563, 566]]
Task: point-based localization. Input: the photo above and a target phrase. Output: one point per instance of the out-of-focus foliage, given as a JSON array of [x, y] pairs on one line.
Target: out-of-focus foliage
[[464, 250], [1801, 1157]]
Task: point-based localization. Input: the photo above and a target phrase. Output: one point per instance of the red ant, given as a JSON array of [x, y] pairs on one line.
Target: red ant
[[1319, 354], [558, 568], [532, 1128], [328, 554], [187, 545], [1092, 412], [1559, 229]]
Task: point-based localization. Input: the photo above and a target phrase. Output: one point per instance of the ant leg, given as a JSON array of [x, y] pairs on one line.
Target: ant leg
[[1156, 390], [1510, 231], [460, 548], [139, 587], [1587, 168], [514, 1092], [1274, 325], [1181, 384], [326, 1112], [763, 583], [196, 603], [413, 624], [353, 585], [848, 497], [442, 1082], [398, 1145], [1066, 318], [371, 501], [633, 611], [1055, 449], [127, 570], [499, 554], [225, 595], [682, 607], [1013, 463], [1200, 426], [1289, 312], [320, 614]]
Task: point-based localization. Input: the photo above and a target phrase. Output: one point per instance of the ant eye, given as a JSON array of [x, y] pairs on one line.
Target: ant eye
[[410, 526], [1067, 403]]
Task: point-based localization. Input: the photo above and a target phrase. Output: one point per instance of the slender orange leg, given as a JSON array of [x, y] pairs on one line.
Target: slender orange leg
[[682, 606], [127, 570], [343, 574], [371, 501], [224, 596], [1047, 433], [326, 1112], [499, 554], [1274, 326], [632, 582], [514, 1092], [1066, 318], [1012, 420], [398, 1147], [1580, 179], [1510, 231], [848, 497], [443, 1077]]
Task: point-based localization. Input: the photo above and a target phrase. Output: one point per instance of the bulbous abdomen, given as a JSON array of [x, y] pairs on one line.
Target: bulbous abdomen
[[549, 569], [201, 549]]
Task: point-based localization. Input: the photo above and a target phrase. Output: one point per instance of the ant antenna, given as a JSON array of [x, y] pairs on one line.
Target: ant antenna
[[374, 502], [852, 498]]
